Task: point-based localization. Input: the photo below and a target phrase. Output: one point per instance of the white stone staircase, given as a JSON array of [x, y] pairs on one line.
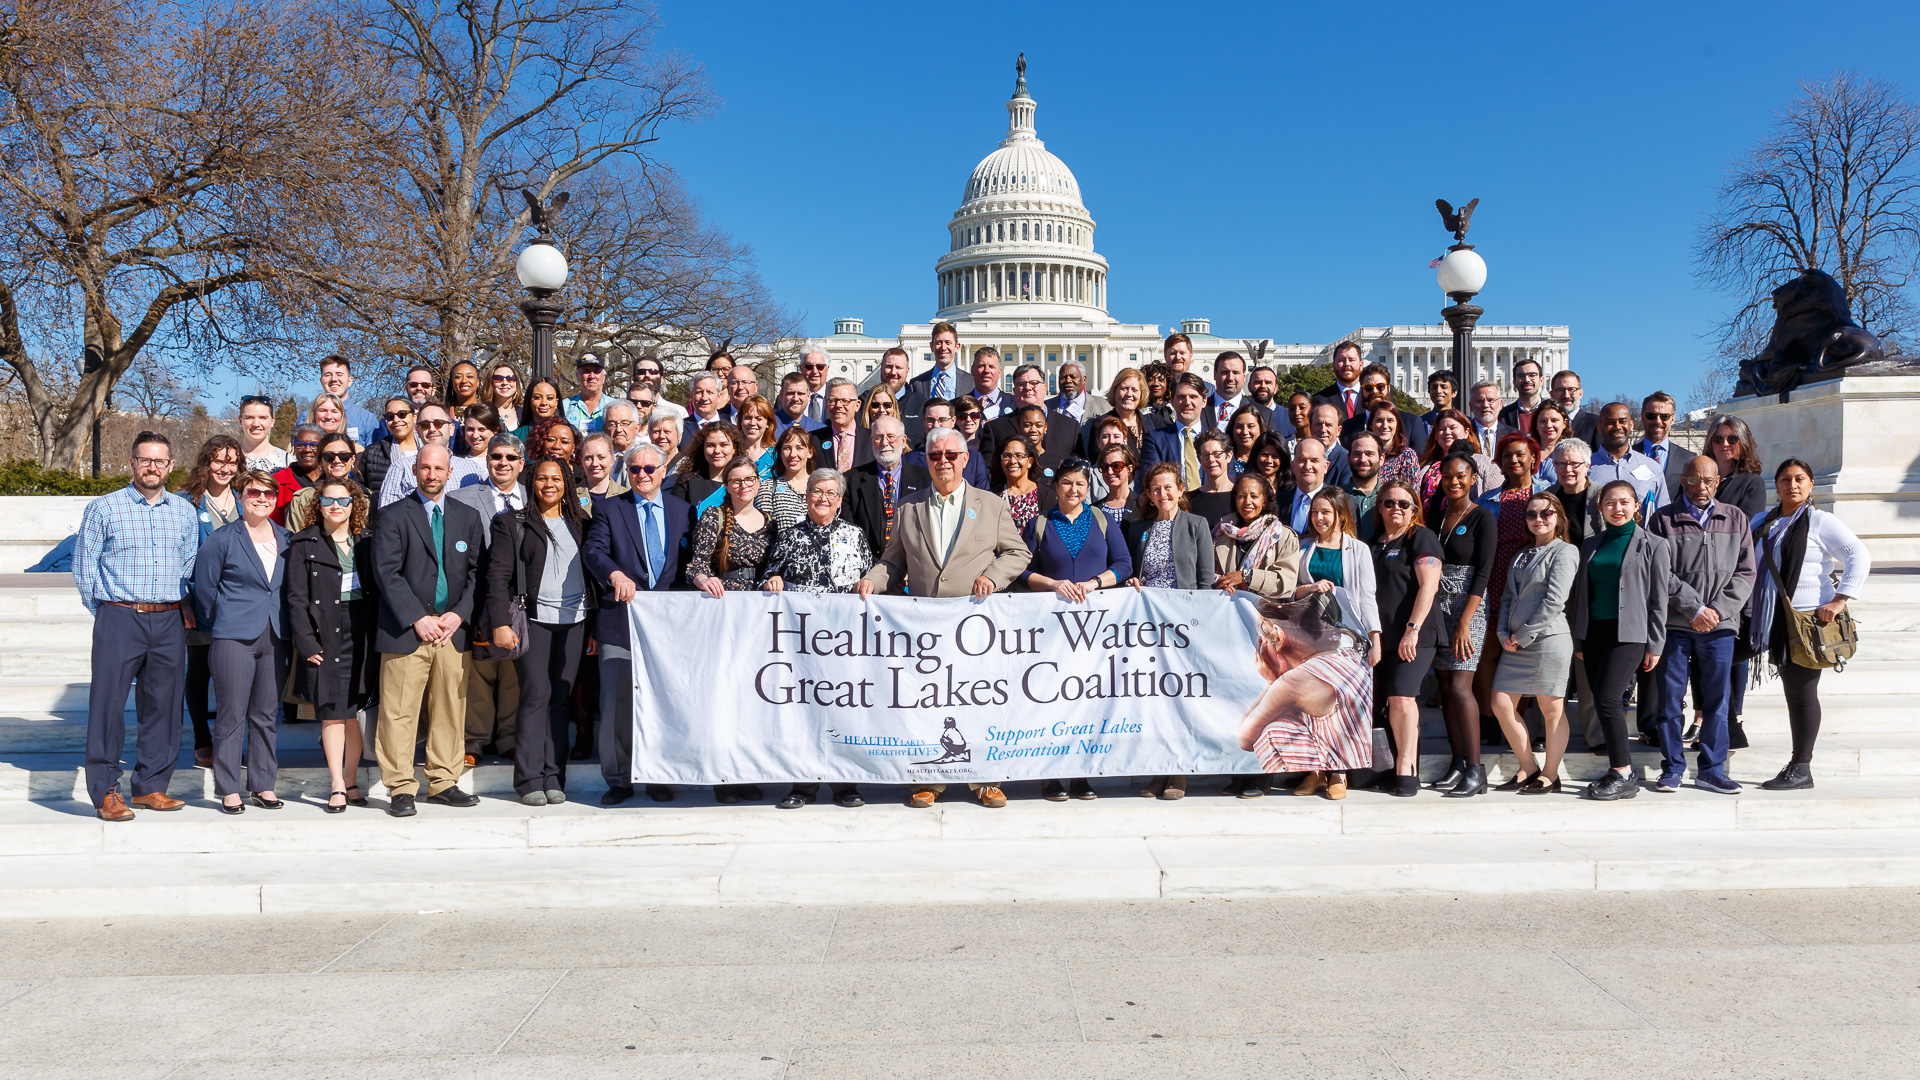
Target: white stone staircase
[[1860, 827]]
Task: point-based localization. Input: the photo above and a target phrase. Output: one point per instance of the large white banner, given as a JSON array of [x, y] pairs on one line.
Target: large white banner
[[756, 688]]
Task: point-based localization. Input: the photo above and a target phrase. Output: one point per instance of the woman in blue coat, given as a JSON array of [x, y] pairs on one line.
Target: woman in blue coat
[[237, 584], [1075, 550]]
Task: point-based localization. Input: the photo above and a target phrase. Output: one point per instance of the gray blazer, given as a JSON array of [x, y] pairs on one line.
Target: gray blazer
[[1192, 549], [1644, 586], [480, 497], [1533, 605]]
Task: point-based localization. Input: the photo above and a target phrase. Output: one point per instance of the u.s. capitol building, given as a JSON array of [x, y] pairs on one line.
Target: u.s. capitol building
[[1021, 274]]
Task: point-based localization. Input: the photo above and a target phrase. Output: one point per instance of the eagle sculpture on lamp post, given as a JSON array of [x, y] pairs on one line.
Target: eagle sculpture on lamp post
[[1456, 221]]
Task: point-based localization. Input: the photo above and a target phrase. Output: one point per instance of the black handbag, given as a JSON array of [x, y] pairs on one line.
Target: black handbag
[[516, 610]]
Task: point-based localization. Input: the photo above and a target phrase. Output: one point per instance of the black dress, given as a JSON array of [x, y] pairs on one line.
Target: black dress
[[1215, 506], [1396, 587], [339, 630]]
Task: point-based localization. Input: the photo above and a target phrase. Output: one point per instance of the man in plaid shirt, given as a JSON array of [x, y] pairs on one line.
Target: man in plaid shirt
[[131, 563]]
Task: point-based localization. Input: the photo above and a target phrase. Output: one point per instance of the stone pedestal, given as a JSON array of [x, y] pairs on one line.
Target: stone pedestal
[[1862, 437]]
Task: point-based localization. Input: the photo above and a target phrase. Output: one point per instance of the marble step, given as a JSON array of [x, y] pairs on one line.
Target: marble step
[[1850, 714], [28, 634], [53, 663], [499, 824], [949, 871]]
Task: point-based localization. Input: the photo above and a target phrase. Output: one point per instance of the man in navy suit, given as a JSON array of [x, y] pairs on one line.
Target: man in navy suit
[[427, 551], [943, 381], [843, 444], [791, 408], [1174, 442], [636, 542], [938, 413], [703, 406], [1376, 385], [876, 489], [1344, 394]]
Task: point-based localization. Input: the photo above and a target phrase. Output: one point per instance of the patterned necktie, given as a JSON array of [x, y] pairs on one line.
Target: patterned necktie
[[940, 389], [1225, 406], [843, 450], [886, 500], [439, 563], [656, 544], [1189, 461]]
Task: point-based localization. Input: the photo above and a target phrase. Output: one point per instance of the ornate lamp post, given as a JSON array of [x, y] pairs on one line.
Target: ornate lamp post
[[1463, 273], [542, 270]]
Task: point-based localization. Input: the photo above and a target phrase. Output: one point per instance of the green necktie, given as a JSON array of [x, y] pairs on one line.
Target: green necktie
[[439, 564]]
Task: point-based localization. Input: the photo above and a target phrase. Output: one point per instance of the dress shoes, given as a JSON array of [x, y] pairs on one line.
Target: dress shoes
[[614, 796], [1797, 776], [1456, 769], [534, 798], [203, 756], [453, 796], [1082, 789], [1053, 791], [992, 797], [401, 806], [793, 801], [1736, 734], [1405, 787], [1472, 782], [920, 800], [1313, 782], [157, 800], [1691, 734], [1176, 788], [555, 796], [1336, 789], [1612, 786], [1719, 785], [660, 792], [849, 799], [113, 808], [472, 760], [262, 802]]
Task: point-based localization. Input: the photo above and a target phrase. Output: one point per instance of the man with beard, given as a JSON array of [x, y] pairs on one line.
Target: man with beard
[[1376, 385], [1263, 385], [878, 487], [1363, 487]]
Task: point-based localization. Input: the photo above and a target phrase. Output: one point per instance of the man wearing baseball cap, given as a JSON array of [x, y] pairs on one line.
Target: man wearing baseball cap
[[586, 409]]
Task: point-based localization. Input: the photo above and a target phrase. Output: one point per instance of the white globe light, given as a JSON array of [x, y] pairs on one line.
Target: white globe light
[[541, 266], [1462, 272]]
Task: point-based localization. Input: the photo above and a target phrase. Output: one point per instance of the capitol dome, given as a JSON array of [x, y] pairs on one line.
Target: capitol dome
[[1021, 243]]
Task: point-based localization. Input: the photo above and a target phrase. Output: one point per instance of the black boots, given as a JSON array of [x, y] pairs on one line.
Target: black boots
[[1796, 776], [1473, 781]]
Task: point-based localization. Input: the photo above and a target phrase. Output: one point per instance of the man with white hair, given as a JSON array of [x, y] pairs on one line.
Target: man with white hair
[[1074, 399], [1483, 408], [956, 540], [814, 364], [1309, 476], [877, 489], [622, 426], [703, 405]]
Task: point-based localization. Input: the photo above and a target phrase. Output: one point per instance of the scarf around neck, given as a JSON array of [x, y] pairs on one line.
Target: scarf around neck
[[1261, 534]]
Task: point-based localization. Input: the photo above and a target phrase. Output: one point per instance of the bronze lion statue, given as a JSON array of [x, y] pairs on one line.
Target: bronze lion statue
[[1813, 333]]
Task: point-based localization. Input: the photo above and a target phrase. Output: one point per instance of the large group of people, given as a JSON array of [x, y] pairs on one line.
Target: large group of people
[[460, 564]]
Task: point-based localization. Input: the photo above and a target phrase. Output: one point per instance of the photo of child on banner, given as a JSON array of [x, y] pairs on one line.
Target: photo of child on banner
[[1316, 714]]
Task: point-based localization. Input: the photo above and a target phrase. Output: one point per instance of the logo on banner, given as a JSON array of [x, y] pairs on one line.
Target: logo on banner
[[952, 744]]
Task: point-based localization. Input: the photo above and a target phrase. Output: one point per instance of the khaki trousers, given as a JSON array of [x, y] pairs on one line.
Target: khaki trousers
[[440, 672], [493, 704]]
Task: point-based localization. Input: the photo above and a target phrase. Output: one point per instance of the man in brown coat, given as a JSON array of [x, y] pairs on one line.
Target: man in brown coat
[[956, 540]]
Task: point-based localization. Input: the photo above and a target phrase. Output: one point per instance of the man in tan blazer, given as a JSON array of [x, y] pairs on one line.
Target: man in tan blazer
[[955, 540]]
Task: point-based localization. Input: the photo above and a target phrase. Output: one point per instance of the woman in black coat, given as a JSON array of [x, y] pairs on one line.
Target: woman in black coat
[[533, 556], [330, 609]]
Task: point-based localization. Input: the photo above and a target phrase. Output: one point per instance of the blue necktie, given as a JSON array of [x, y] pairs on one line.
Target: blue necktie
[[940, 384], [656, 544]]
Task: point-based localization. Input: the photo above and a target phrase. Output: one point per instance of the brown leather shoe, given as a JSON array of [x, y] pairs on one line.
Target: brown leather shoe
[[114, 808], [922, 799], [992, 797], [156, 801], [1176, 788], [203, 757], [1313, 782], [1336, 789], [472, 760]]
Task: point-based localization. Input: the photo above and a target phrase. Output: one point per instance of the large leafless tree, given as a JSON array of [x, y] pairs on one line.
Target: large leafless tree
[[1834, 186], [150, 152]]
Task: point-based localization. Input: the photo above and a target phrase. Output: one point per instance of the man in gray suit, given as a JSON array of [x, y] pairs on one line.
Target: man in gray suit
[[953, 540], [493, 686], [1074, 399], [1657, 413]]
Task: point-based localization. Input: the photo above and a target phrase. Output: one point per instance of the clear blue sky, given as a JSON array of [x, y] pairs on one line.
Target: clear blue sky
[[1272, 166]]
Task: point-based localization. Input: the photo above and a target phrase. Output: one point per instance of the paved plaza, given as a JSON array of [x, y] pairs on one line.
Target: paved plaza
[[1815, 983]]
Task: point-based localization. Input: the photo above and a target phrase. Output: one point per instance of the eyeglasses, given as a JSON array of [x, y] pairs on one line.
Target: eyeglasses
[[813, 367], [154, 462], [1541, 515], [643, 402], [336, 456], [823, 496], [304, 444], [261, 493], [1700, 481], [943, 455], [1395, 504], [742, 480], [419, 386], [400, 414], [503, 457], [1114, 466], [1727, 440], [342, 501], [645, 372], [435, 425], [505, 379], [647, 469], [256, 399]]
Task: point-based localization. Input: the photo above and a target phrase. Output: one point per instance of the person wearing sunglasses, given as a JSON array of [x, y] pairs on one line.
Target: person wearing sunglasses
[[435, 428], [503, 393], [419, 385], [638, 545], [256, 433], [814, 366], [493, 686], [399, 441], [649, 373], [336, 463], [301, 472], [238, 582], [331, 612], [1406, 574], [1536, 643], [209, 488]]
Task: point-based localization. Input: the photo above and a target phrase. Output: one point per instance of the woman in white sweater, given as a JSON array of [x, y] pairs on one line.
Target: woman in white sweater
[[1803, 546]]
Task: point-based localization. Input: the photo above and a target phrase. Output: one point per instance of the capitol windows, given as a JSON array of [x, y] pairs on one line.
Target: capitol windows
[[1003, 232], [1023, 230]]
